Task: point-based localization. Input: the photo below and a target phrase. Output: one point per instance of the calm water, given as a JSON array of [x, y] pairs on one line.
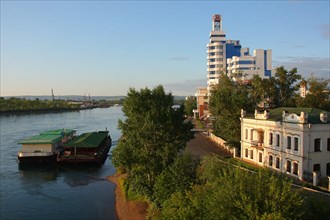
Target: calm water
[[53, 192]]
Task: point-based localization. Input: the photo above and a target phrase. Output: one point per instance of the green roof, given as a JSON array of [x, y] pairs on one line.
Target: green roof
[[313, 114], [42, 139], [48, 137], [59, 132], [91, 139]]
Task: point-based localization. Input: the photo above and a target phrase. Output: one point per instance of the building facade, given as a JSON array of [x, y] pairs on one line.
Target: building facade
[[295, 141], [225, 56], [246, 66]]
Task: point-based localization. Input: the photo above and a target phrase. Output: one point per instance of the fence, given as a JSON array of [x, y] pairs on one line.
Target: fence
[[221, 143]]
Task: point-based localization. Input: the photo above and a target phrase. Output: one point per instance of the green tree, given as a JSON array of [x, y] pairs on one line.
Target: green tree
[[287, 84], [263, 90], [152, 135], [317, 96], [226, 102], [189, 105], [227, 192], [178, 177]]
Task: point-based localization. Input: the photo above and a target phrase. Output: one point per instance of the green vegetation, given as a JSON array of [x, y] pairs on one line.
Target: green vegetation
[[21, 105], [222, 191], [152, 135], [189, 105]]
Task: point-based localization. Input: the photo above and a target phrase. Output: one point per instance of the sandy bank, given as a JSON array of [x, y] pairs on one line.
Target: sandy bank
[[127, 210]]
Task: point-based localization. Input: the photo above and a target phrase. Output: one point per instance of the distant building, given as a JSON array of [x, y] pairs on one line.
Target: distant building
[[226, 56], [246, 66], [295, 141]]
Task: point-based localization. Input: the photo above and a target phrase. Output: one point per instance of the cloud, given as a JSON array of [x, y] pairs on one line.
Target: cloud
[[180, 58], [298, 46], [307, 66], [185, 88], [325, 31]]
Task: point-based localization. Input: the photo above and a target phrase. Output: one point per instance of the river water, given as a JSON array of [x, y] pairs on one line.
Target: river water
[[55, 192]]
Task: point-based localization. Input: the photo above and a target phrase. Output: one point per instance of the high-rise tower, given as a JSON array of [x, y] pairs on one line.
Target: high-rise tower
[[216, 52]]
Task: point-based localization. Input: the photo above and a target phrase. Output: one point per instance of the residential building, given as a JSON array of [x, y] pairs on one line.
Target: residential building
[[295, 141]]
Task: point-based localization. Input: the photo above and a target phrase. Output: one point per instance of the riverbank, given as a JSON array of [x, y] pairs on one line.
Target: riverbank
[[125, 209]]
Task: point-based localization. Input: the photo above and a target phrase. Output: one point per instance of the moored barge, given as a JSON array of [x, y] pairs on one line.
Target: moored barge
[[44, 147], [91, 147]]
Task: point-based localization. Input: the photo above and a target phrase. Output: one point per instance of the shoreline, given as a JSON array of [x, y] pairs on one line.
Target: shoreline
[[126, 209]]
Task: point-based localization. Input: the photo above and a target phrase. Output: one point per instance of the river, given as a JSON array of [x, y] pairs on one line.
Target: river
[[55, 192]]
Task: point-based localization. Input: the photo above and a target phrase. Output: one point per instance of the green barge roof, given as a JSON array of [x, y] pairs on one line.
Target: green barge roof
[[88, 140], [42, 139], [48, 137]]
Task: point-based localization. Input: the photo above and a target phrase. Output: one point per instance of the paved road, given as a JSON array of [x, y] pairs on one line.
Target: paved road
[[201, 146]]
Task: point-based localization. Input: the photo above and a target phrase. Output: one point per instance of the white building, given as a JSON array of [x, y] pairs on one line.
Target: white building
[[295, 141], [245, 66], [216, 52]]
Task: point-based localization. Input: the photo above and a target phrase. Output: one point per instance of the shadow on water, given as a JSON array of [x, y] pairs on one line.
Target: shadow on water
[[73, 175]]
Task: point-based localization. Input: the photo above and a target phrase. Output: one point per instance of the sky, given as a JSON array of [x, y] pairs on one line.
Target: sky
[[103, 48]]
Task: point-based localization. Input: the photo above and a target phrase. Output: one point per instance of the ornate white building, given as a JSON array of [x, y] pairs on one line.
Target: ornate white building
[[295, 141]]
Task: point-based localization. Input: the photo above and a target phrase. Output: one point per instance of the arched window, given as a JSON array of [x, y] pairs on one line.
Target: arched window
[[288, 166], [295, 168], [270, 162]]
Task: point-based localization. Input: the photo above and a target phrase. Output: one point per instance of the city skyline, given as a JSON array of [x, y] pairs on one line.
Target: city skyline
[[103, 48]]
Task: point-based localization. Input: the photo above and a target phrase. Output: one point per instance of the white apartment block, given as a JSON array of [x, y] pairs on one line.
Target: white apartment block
[[295, 141], [245, 66]]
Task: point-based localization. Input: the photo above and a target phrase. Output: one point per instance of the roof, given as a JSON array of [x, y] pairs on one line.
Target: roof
[[91, 139], [59, 132], [42, 139], [313, 114], [48, 137]]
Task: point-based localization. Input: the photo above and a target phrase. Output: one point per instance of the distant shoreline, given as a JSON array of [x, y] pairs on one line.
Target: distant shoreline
[[40, 111]]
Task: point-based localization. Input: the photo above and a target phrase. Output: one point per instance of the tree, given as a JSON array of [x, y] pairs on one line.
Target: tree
[[226, 102], [227, 192], [178, 177], [317, 96], [287, 84], [263, 90], [152, 135], [189, 105]]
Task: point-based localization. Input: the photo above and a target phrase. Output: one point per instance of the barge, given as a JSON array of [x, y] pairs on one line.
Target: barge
[[91, 147], [63, 146], [44, 147]]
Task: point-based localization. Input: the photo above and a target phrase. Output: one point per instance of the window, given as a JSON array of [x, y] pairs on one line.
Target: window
[[288, 146], [246, 153], [328, 169], [328, 144], [317, 144], [260, 157], [288, 166], [251, 134], [270, 138], [277, 162], [295, 168], [277, 140], [246, 133], [296, 144], [251, 154], [270, 160], [317, 168]]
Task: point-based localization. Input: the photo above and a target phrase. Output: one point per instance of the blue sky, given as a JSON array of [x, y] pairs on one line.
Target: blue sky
[[105, 47]]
